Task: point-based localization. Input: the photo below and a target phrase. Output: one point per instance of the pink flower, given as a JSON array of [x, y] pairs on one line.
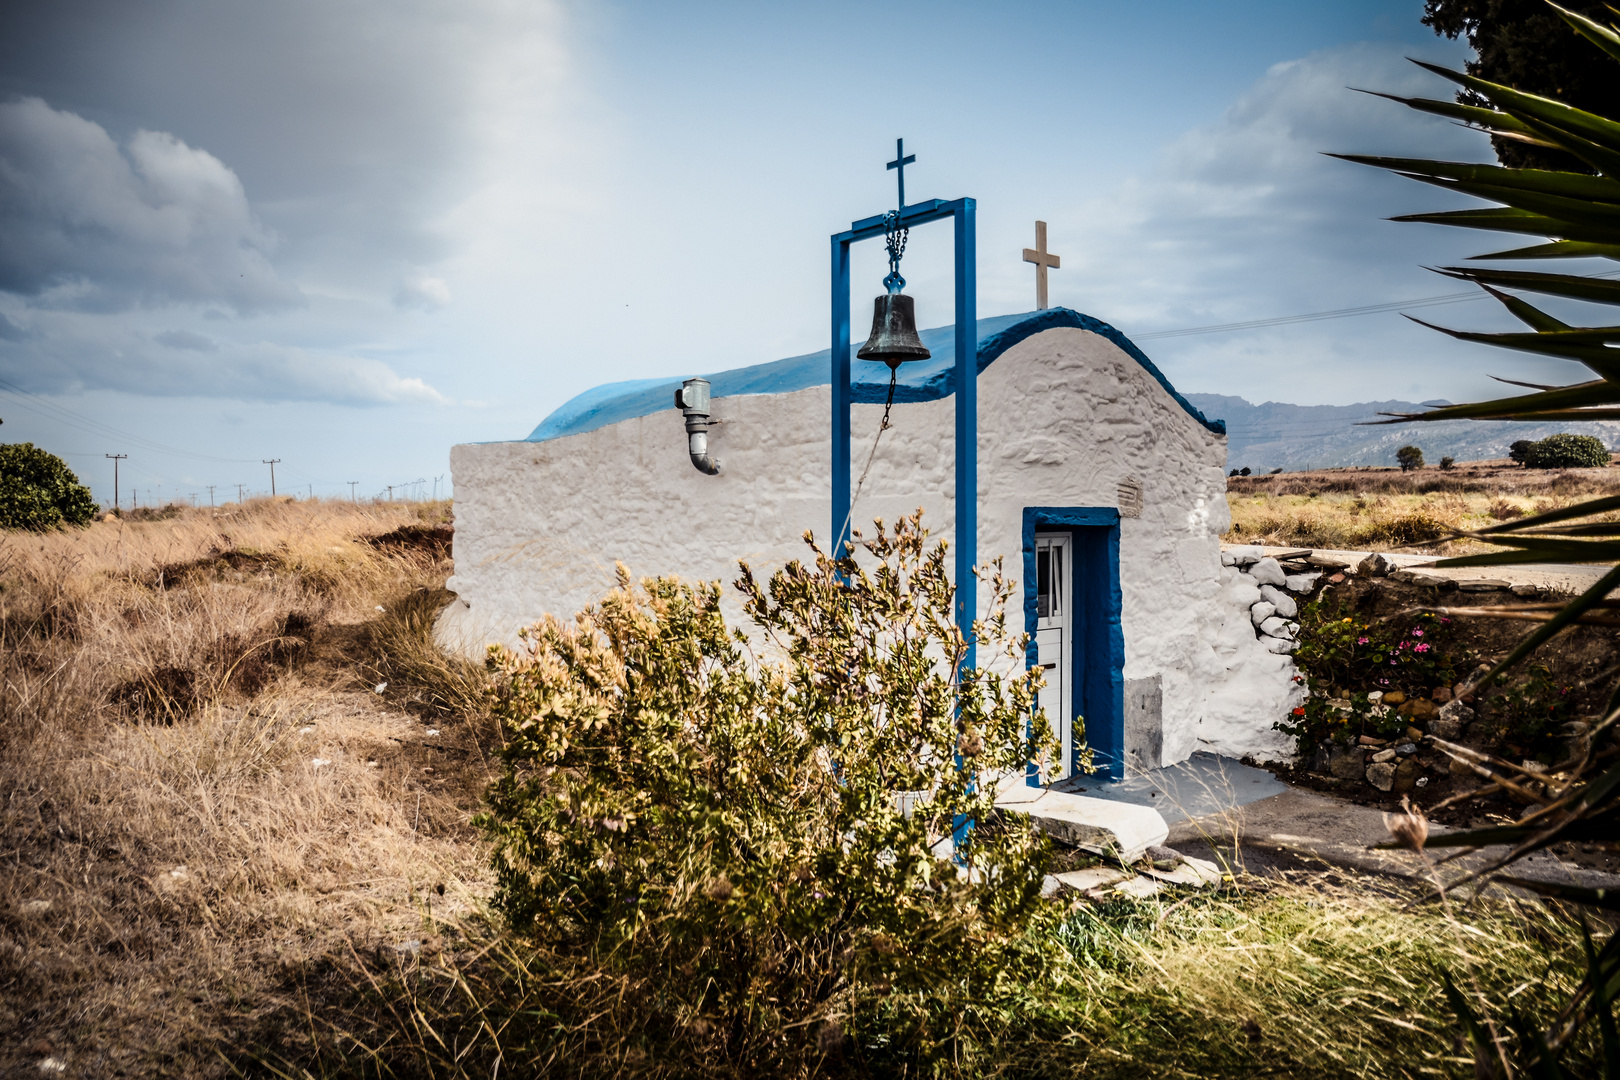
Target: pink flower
[[1362, 641], [1422, 648], [1417, 631]]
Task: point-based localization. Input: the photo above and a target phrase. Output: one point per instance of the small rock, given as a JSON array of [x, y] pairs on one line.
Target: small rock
[[1414, 734], [1381, 775], [1370, 740], [1244, 556], [381, 687], [36, 907], [1138, 888], [1050, 886], [1527, 590], [1423, 781], [1423, 709], [1092, 877], [1279, 645], [1441, 728], [1275, 627], [1406, 777], [1262, 611], [1484, 585], [1394, 697], [1346, 763], [1374, 696], [1158, 852], [1281, 603], [1336, 579], [1441, 695], [1228, 559], [1374, 566], [1303, 583], [1268, 571], [1383, 756], [1406, 748], [1319, 761]]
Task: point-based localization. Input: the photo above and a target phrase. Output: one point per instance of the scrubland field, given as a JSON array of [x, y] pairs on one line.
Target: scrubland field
[[237, 839], [1379, 509]]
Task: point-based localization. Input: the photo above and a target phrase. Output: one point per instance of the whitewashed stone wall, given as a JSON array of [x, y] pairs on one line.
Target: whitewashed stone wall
[[1064, 416]]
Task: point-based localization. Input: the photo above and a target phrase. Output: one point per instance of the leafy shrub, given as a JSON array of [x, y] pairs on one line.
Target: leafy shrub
[[1565, 451], [1448, 463], [1344, 658], [755, 825], [1519, 450], [38, 491], [1409, 457], [1531, 714]]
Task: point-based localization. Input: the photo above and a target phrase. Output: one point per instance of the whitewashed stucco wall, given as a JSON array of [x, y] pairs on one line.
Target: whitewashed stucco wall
[[1063, 416]]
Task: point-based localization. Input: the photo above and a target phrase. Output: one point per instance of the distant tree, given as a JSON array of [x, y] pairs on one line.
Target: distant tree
[[1447, 462], [1565, 451], [1243, 471], [1409, 457], [1524, 44], [1275, 471], [1517, 452], [38, 491], [1234, 472]]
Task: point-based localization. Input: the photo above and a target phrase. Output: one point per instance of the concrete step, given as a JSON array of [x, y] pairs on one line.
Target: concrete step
[[1116, 830]]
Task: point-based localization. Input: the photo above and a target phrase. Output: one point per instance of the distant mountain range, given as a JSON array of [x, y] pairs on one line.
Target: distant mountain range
[[1277, 435]]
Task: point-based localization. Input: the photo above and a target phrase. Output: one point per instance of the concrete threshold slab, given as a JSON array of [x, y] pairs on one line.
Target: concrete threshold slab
[[1203, 784], [1116, 830]]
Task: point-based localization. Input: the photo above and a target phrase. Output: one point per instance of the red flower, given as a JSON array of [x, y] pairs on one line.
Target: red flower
[[1299, 711]]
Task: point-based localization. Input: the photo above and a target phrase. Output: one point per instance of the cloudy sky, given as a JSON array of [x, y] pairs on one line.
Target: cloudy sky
[[349, 234]]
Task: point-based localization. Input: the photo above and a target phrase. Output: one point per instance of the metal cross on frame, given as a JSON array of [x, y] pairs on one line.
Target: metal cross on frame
[[1042, 259], [901, 160], [962, 214]]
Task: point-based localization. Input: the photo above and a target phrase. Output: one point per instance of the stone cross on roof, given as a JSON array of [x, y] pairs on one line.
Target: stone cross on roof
[[1042, 259]]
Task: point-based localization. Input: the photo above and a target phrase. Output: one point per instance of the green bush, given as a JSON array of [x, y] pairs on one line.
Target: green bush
[[1409, 457], [38, 491], [755, 825], [1565, 451]]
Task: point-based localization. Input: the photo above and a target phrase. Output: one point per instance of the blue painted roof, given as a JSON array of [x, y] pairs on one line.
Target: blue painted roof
[[924, 380]]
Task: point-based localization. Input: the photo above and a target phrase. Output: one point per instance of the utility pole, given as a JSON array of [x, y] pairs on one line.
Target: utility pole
[[116, 458], [211, 495], [238, 494], [193, 497], [352, 497], [390, 492], [436, 480], [311, 492], [272, 462]]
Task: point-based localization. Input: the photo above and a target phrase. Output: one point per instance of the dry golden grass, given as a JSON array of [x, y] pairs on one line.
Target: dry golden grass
[[205, 794], [1382, 509]]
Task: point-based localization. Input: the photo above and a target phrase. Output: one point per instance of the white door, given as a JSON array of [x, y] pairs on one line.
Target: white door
[[1054, 641]]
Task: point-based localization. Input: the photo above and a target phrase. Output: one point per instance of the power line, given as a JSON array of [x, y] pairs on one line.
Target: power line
[[60, 413], [1315, 316]]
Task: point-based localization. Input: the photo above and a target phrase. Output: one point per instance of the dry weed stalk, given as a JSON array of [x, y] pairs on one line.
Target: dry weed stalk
[[202, 793]]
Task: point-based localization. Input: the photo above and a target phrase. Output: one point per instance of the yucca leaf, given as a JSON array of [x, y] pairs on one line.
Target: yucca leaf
[[1542, 181], [1599, 358], [1570, 286], [1577, 210], [1597, 392], [1528, 417], [1510, 219], [1598, 34], [1558, 249], [1530, 315], [1493, 120], [1538, 549], [1606, 505], [1582, 133], [1575, 894]]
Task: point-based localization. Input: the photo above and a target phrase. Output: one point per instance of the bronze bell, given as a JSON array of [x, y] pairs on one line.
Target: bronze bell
[[894, 332]]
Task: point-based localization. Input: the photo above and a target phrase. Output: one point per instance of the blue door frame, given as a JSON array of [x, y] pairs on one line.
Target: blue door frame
[[962, 214], [1098, 659]]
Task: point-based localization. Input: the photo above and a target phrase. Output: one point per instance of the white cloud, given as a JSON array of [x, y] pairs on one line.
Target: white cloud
[[422, 293], [87, 224]]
